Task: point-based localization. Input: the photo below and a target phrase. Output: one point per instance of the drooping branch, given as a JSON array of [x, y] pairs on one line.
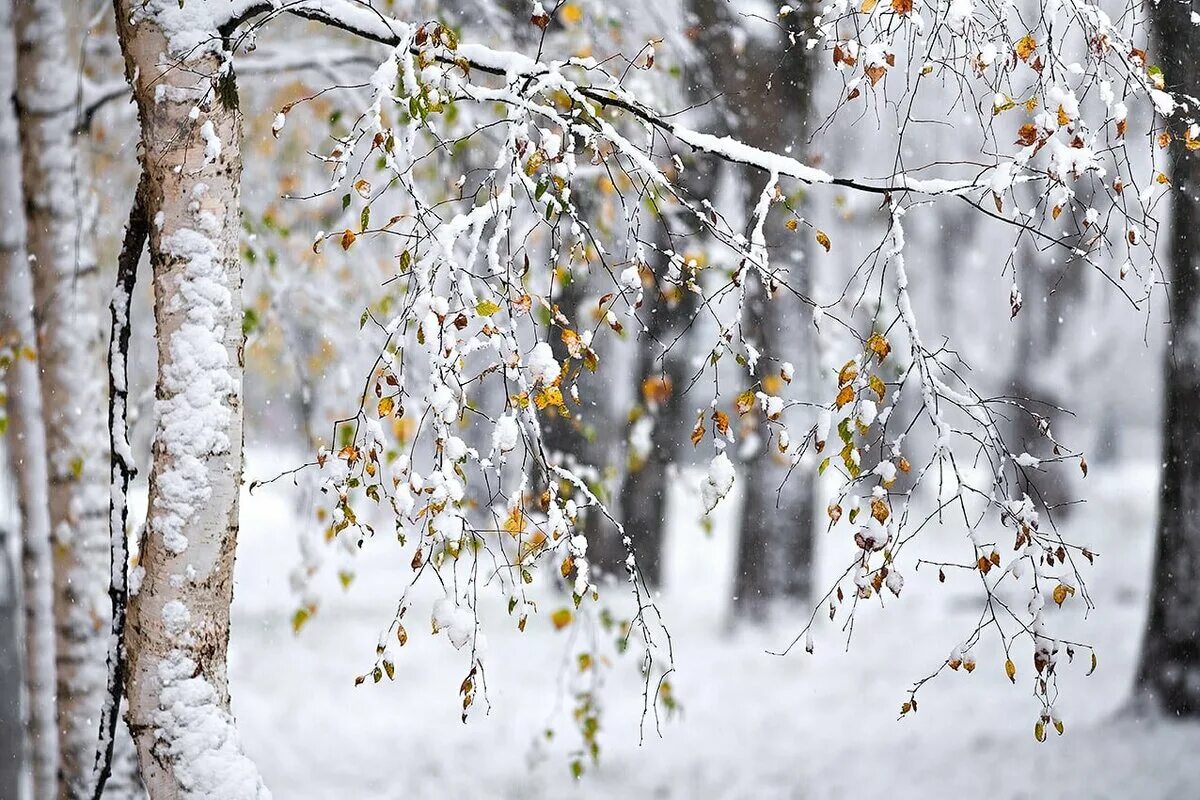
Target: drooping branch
[[362, 20], [122, 470]]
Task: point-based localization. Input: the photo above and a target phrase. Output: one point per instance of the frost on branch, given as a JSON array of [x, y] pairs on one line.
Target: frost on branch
[[496, 180]]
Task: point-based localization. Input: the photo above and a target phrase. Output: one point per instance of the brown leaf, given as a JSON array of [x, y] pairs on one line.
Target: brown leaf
[[1027, 134], [656, 389]]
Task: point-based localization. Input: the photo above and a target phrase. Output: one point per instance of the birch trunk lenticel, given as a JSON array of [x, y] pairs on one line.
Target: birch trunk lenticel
[[26, 445], [69, 340], [177, 632]]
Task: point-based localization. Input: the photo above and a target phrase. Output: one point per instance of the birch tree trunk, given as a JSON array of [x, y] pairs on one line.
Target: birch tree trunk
[[26, 445], [59, 230], [178, 628], [1169, 672], [66, 297]]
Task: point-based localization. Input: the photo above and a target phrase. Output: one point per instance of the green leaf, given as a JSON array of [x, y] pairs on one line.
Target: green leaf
[[486, 308]]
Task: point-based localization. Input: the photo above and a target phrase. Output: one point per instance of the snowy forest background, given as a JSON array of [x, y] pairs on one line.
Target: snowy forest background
[[334, 697]]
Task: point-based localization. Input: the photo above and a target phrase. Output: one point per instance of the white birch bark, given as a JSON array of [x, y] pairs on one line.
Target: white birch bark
[[26, 445], [178, 628], [67, 298]]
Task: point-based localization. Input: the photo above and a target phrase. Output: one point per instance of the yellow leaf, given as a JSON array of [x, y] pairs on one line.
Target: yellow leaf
[[386, 404], [572, 14], [878, 345], [485, 308], [550, 396], [1010, 669], [515, 522], [847, 373], [845, 396], [868, 6], [535, 161], [561, 618], [823, 240], [301, 616], [1025, 47], [745, 402]]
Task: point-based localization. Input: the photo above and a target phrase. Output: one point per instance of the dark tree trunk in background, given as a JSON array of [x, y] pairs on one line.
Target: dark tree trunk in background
[[1169, 672], [1040, 372], [588, 437], [776, 543], [767, 91], [661, 375]]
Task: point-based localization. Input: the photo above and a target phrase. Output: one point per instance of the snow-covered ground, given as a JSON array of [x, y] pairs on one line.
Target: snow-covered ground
[[753, 725]]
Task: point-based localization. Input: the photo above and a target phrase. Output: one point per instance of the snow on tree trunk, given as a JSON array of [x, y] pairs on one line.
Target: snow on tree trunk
[[69, 346], [70, 342], [26, 445], [178, 628], [1169, 672]]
